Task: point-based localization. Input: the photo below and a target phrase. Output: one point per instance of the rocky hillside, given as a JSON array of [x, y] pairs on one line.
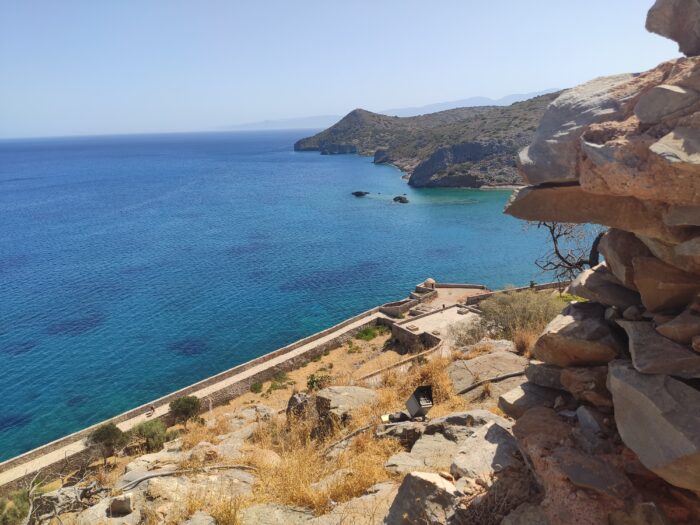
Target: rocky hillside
[[624, 152], [463, 147]]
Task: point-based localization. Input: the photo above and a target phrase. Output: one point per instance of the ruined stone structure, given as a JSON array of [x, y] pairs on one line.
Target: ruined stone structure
[[624, 152]]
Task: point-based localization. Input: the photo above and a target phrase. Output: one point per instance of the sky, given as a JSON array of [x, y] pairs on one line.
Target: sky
[[86, 67]]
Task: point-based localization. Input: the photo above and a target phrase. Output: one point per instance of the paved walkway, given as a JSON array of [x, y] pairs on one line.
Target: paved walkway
[[57, 455]]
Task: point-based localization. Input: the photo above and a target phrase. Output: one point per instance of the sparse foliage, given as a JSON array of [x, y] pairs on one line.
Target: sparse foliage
[[152, 433], [108, 439], [574, 247], [185, 408]]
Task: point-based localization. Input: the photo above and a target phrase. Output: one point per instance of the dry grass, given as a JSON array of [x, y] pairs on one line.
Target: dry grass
[[304, 458], [304, 462], [195, 434], [507, 313], [525, 340], [219, 503]]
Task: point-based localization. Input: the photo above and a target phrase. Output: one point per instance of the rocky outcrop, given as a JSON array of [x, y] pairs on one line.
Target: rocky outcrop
[[578, 336], [623, 152], [462, 147], [678, 20], [659, 418], [423, 498]]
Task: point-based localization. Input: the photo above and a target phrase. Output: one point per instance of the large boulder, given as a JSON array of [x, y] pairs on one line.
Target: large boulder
[[684, 256], [543, 374], [619, 248], [464, 373], [678, 20], [424, 498], [522, 398], [600, 286], [587, 384], [490, 450], [663, 287], [658, 417], [653, 353], [551, 156], [337, 402], [578, 336], [682, 328], [573, 204]]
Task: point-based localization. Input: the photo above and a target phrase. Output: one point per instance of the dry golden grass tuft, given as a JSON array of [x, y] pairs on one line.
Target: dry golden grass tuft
[[195, 434], [218, 502], [478, 349], [525, 340], [304, 461]]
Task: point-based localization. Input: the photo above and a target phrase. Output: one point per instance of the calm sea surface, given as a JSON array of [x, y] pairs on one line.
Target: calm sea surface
[[133, 266]]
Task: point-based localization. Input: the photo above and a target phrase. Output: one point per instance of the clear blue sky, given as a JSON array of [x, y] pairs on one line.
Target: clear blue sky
[[96, 66]]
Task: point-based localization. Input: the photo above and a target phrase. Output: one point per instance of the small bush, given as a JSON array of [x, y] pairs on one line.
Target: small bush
[[467, 333], [318, 381], [367, 334], [353, 348], [506, 313], [256, 388], [108, 438], [185, 408], [14, 508], [524, 340], [154, 433]]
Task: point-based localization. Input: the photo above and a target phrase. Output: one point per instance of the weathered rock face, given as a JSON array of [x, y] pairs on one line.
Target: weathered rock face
[[664, 288], [658, 417], [552, 153], [423, 498], [619, 248], [653, 353], [623, 152], [678, 20], [578, 336], [600, 286]]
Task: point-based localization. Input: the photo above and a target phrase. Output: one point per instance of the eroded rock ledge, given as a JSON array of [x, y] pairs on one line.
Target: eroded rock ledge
[[624, 152]]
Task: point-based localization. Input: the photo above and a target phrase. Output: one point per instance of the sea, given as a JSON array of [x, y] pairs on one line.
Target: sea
[[132, 266]]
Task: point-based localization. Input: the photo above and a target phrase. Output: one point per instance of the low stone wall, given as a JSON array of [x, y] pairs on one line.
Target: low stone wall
[[217, 398], [456, 285], [476, 299], [398, 308]]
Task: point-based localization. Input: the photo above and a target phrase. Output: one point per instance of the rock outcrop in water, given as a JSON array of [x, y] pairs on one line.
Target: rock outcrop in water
[[624, 152]]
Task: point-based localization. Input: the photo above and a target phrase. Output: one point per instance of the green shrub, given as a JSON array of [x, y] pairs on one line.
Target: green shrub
[[367, 334], [14, 508], [153, 432], [318, 381], [107, 439], [280, 381], [256, 388], [185, 408]]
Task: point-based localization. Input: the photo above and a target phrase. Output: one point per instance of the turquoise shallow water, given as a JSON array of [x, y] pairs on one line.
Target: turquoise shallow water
[[133, 266]]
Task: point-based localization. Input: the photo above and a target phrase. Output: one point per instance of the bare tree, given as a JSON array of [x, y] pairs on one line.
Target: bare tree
[[574, 247]]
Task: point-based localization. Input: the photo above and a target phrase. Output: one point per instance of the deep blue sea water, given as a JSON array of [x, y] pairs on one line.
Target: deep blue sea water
[[135, 265]]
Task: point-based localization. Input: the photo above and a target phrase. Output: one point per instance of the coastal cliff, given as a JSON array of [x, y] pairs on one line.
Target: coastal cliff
[[463, 147]]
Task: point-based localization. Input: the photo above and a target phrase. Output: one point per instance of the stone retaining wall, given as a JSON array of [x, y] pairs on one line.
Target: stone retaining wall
[[219, 397]]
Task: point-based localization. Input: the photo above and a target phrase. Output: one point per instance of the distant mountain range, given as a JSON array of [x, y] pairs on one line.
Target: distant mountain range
[[325, 121]]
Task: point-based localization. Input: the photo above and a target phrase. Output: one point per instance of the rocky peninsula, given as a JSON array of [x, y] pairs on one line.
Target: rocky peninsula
[[464, 147]]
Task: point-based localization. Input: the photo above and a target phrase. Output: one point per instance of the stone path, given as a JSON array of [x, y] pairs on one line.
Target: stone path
[[33, 465]]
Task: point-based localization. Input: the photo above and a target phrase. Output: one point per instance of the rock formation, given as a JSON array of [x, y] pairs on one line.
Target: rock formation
[[623, 152]]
